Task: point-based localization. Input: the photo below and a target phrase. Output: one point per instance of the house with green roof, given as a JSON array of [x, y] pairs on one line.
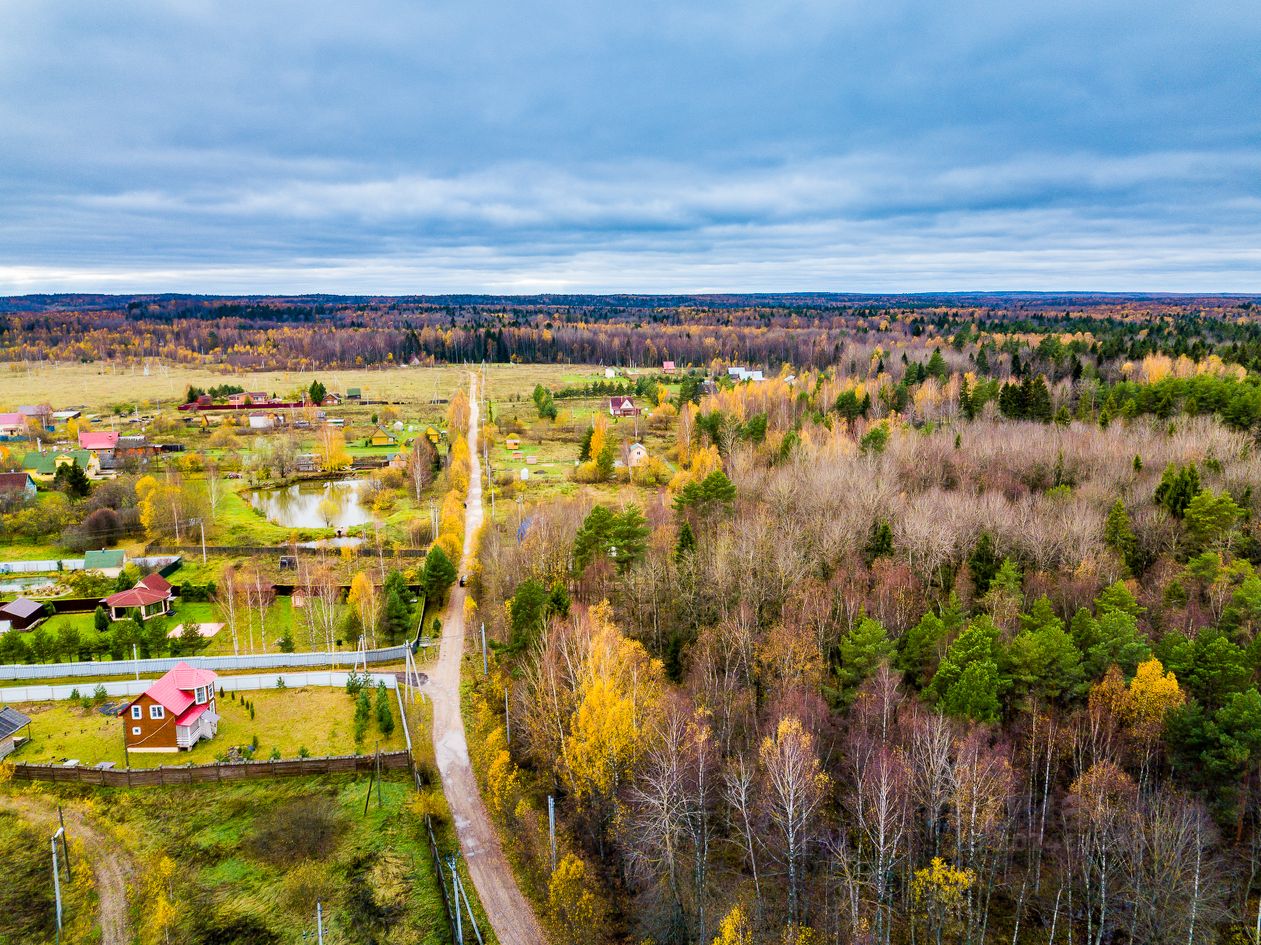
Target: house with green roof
[[43, 466]]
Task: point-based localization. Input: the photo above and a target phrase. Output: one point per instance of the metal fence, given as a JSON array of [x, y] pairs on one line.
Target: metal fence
[[333, 660], [76, 564], [134, 687], [199, 774]]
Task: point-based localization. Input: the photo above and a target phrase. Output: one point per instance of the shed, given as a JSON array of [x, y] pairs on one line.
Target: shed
[[22, 613], [11, 723]]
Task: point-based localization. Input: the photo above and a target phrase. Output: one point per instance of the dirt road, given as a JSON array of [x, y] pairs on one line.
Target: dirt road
[[112, 868], [510, 914]]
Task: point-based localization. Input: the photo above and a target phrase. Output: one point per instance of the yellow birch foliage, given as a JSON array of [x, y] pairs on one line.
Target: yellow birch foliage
[[160, 915], [599, 434], [330, 449], [734, 929], [1152, 693], [459, 469], [575, 910]]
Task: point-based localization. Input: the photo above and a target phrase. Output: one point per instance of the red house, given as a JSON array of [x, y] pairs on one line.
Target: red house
[[151, 597], [175, 713], [622, 407]]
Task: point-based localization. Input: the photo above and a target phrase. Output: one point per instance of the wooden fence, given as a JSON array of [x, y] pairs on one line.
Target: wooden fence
[[212, 773]]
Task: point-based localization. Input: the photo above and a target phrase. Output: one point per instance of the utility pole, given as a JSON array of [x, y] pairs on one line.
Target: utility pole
[[507, 719], [135, 658], [551, 826], [59, 835], [485, 664], [65, 850], [319, 921], [203, 540]]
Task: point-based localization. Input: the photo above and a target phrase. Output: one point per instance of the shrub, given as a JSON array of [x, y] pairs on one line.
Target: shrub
[[302, 829]]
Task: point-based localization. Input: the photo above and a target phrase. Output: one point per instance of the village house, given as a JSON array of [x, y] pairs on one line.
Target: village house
[[354, 393], [636, 455], [12, 424], [382, 437], [667, 367], [622, 407], [42, 467], [12, 722], [173, 714], [17, 485], [151, 597]]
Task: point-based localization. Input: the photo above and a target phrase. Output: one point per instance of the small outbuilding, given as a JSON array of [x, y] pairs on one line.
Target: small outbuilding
[[23, 613], [12, 724]]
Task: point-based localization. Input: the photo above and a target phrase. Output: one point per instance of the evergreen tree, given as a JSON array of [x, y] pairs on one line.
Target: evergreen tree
[[879, 541], [438, 575], [983, 564], [686, 543], [1119, 536], [317, 392], [861, 651]]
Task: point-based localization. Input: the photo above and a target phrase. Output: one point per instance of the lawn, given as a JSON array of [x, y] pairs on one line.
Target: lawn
[[321, 719]]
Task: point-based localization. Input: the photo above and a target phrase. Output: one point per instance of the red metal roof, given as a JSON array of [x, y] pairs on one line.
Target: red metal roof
[[151, 589], [174, 691], [98, 440]]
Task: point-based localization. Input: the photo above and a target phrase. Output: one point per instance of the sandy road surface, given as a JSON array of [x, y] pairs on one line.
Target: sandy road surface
[[510, 914], [112, 868]]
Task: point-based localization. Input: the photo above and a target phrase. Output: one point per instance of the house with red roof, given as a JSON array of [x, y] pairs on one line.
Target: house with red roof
[[173, 714], [622, 407], [100, 443], [151, 597]]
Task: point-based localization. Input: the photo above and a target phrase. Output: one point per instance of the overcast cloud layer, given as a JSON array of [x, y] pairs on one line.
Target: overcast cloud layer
[[400, 146]]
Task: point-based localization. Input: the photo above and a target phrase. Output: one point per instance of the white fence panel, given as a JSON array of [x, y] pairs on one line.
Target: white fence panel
[[134, 687], [346, 659]]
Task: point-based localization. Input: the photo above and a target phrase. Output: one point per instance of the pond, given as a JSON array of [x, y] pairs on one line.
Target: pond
[[10, 584], [332, 504]]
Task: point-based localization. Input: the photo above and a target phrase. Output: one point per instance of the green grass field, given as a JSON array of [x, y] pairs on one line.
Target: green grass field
[[318, 718]]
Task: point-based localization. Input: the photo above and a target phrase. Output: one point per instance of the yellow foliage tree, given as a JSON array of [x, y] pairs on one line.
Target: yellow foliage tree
[[599, 434], [160, 914], [734, 929], [1152, 693], [330, 449], [576, 913], [938, 892], [365, 600]]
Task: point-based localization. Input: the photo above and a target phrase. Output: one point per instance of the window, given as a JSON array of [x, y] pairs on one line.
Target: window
[[135, 712], [135, 730], [200, 695], [156, 712]]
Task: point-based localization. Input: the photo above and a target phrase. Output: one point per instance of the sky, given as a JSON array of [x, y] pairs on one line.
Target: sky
[[516, 146]]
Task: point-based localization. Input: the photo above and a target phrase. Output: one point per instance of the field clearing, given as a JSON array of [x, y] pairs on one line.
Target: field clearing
[[317, 718], [97, 386]]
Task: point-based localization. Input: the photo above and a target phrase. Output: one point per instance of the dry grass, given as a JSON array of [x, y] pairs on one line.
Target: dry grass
[[99, 385]]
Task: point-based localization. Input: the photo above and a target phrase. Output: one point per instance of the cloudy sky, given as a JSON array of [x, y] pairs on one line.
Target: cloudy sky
[[659, 145]]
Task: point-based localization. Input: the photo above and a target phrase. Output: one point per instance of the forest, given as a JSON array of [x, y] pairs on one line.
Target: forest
[[949, 640], [814, 331]]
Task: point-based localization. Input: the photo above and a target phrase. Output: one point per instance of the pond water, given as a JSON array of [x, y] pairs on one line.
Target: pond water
[[17, 585], [333, 504]]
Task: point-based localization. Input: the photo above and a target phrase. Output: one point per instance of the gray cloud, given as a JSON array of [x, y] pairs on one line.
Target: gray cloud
[[782, 144]]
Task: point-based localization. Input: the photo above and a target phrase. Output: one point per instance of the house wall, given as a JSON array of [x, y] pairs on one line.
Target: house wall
[[155, 734], [6, 746]]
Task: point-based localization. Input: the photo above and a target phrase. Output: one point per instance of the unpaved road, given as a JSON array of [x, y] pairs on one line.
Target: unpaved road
[[510, 914], [112, 868]]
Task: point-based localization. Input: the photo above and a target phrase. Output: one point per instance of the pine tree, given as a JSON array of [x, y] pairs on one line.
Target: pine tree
[[1120, 537]]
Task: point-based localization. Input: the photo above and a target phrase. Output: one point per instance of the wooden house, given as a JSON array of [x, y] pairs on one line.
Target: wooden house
[[173, 714]]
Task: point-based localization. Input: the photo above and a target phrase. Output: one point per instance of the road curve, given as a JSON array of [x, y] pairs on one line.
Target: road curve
[[510, 914]]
